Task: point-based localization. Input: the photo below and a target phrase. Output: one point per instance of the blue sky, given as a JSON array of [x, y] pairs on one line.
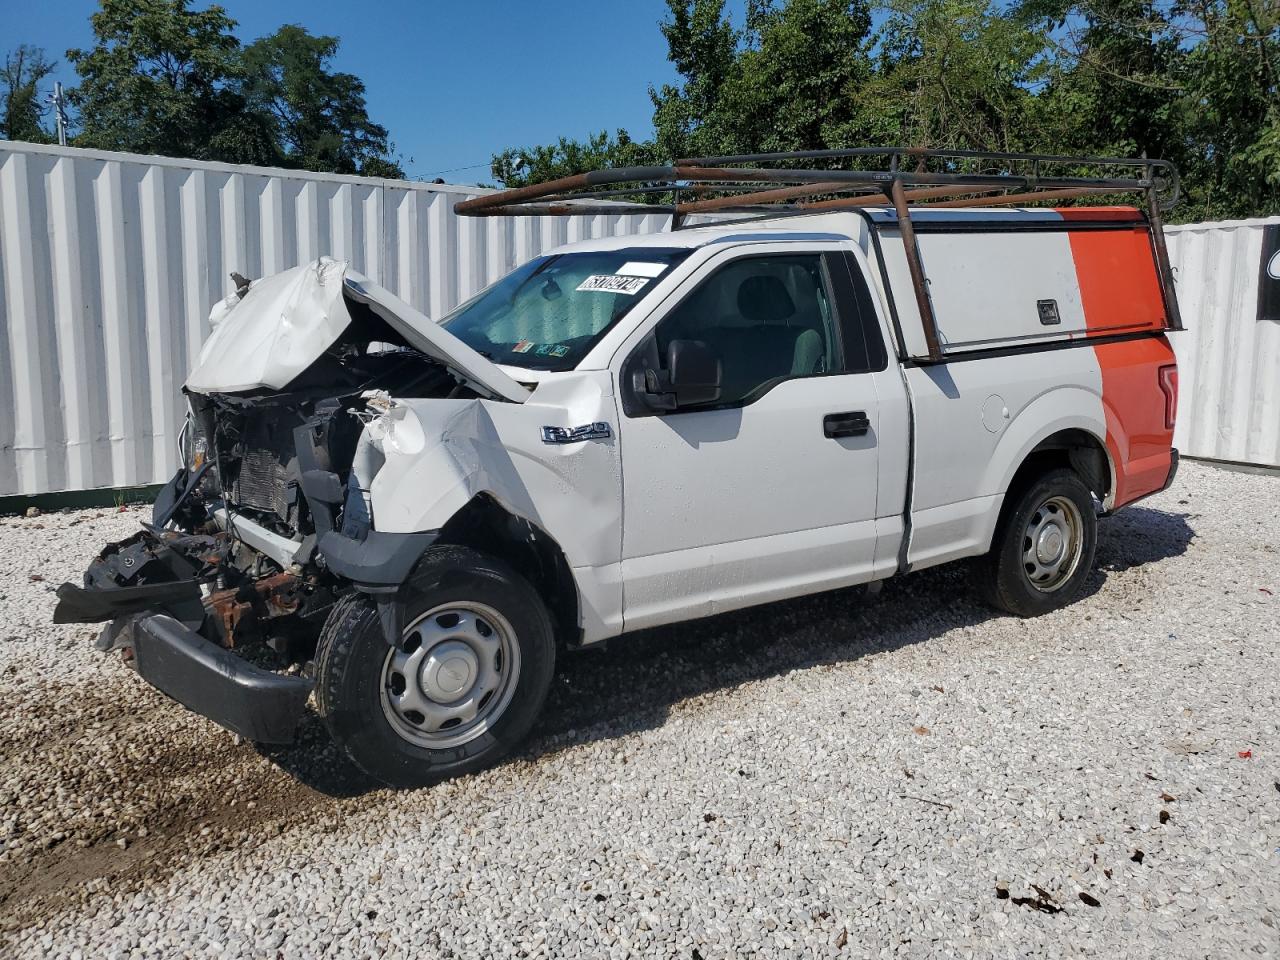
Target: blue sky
[[453, 82]]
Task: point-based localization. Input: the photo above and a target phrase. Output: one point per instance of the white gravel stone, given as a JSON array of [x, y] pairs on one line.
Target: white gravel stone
[[748, 786]]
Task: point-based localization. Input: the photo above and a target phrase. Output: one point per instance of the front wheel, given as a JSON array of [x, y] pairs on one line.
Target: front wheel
[[1043, 547], [462, 686]]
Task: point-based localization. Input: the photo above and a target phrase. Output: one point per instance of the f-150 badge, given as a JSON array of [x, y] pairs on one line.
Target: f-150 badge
[[590, 431]]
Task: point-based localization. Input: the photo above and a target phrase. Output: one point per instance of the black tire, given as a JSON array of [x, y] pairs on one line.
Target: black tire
[[1003, 576], [352, 653]]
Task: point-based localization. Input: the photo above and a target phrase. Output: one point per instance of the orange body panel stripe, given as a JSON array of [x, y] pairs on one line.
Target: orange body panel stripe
[[1120, 293]]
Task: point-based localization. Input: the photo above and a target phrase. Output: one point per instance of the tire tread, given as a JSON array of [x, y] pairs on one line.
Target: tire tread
[[998, 575], [355, 618]]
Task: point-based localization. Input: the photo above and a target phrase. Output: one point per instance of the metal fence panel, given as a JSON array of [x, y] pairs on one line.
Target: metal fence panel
[[110, 263], [1228, 359]]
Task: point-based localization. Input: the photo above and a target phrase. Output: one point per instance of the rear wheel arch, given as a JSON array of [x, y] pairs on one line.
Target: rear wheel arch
[[1047, 431], [1074, 449], [485, 525], [1077, 449]]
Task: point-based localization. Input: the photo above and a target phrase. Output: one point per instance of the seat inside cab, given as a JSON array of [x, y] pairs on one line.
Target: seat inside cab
[[768, 318]]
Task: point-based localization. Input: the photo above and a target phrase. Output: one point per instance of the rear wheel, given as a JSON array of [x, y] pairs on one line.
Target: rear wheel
[[1043, 547], [462, 686]]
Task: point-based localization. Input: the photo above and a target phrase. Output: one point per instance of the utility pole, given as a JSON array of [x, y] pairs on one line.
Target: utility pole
[[59, 112]]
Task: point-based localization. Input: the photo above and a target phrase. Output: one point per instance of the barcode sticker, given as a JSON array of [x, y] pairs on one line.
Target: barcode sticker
[[603, 283]]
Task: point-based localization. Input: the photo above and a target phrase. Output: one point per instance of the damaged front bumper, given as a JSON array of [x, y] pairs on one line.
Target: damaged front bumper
[[81, 605], [211, 680], [182, 627], [158, 590]]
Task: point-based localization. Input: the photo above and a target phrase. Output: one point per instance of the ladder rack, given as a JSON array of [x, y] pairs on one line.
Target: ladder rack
[[766, 184]]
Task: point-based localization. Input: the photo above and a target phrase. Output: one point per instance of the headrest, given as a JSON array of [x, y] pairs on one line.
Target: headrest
[[764, 299]]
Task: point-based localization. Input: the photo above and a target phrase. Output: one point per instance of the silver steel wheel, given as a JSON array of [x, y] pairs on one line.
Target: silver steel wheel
[[1052, 543], [452, 676]]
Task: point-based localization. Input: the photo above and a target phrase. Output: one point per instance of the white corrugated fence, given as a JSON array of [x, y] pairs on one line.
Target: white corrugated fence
[[110, 263], [1228, 359]]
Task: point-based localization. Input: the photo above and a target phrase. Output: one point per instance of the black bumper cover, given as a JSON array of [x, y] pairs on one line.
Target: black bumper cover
[[216, 683], [1174, 460], [159, 621]]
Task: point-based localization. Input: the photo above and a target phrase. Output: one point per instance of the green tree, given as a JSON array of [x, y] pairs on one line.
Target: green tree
[[1233, 108], [318, 118], [782, 81], [951, 74], [786, 81], [702, 44], [519, 166], [1192, 81], [1116, 83], [800, 74], [159, 80], [24, 70], [165, 78]]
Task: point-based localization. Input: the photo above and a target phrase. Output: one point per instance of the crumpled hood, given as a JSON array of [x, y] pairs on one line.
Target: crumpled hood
[[264, 337]]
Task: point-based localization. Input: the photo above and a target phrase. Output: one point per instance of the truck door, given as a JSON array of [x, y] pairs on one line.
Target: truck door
[[770, 491]]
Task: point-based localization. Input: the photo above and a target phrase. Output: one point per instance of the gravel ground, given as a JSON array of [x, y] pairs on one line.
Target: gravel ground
[[914, 776]]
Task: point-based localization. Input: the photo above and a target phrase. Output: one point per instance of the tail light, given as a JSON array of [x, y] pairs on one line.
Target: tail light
[[1168, 376]]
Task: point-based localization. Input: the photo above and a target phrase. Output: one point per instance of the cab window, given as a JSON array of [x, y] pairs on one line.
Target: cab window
[[767, 318], [549, 313]]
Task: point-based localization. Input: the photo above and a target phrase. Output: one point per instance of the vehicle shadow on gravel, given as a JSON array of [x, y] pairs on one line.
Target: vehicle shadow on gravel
[[1140, 535], [631, 684]]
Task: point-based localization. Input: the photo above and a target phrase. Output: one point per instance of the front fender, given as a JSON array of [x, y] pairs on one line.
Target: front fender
[[425, 481], [459, 449]]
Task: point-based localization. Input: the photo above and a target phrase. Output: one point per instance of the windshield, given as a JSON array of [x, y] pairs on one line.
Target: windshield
[[548, 313]]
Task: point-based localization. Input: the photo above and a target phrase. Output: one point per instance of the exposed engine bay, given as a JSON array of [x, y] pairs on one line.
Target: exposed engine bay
[[236, 549]]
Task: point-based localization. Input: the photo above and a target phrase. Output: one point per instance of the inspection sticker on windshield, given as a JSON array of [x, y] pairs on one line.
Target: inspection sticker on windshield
[[602, 283]]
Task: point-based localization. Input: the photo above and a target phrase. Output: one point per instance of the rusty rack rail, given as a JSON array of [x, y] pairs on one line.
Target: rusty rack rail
[[897, 177]]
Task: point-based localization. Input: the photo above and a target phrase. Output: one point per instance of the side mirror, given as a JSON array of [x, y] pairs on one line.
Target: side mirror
[[694, 372], [692, 377]]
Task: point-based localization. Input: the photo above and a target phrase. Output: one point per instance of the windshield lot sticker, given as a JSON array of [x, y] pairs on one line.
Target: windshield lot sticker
[[601, 283], [559, 350], [544, 349], [639, 268], [524, 346]]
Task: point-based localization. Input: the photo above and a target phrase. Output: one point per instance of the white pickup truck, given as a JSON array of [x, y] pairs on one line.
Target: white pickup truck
[[628, 432]]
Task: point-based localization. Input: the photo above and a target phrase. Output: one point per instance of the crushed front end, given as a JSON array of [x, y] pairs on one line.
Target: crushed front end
[[182, 613], [219, 600]]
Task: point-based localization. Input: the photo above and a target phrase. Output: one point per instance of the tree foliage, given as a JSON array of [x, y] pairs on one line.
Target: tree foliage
[[25, 69], [538, 164], [955, 74], [317, 119], [1193, 81], [164, 78], [159, 79]]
